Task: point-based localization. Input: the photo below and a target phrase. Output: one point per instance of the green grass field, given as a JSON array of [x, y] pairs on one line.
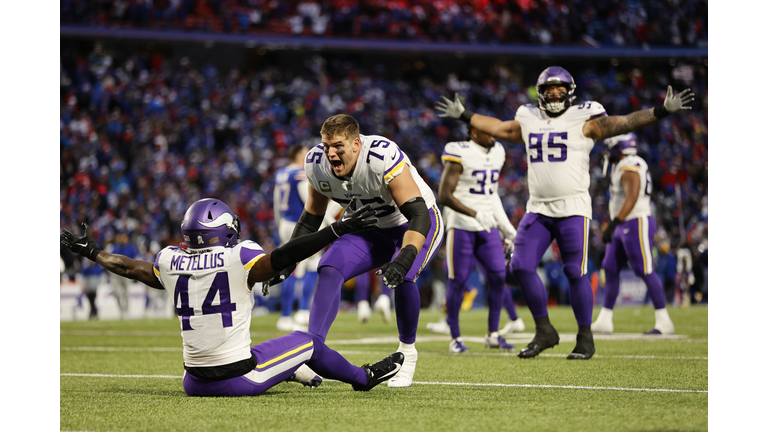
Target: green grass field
[[126, 376]]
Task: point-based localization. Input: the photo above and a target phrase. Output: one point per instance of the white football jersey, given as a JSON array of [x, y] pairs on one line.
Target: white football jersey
[[631, 163], [478, 181], [558, 159], [212, 299], [379, 161]]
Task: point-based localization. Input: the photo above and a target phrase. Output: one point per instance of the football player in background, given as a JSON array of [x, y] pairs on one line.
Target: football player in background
[[629, 236], [474, 215], [212, 279], [288, 202], [559, 136], [355, 170]]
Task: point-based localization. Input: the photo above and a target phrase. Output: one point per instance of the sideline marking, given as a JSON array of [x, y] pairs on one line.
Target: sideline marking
[[434, 383]]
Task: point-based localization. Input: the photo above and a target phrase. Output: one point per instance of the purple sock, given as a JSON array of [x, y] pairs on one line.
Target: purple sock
[[534, 293], [454, 295], [407, 305], [330, 364], [325, 305], [509, 305], [655, 290], [363, 287], [611, 289], [582, 299], [496, 290]]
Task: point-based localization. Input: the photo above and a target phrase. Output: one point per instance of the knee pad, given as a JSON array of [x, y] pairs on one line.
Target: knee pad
[[572, 271]]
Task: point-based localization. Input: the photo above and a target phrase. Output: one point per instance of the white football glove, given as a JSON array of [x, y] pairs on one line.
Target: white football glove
[[509, 246], [675, 103], [452, 109], [691, 279], [487, 220]]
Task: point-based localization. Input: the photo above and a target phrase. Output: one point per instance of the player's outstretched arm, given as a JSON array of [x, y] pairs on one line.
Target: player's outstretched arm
[[604, 127], [508, 130], [303, 247], [87, 247]]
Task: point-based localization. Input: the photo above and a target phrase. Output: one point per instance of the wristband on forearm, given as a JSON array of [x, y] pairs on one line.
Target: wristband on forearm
[[660, 112], [466, 116], [406, 257]]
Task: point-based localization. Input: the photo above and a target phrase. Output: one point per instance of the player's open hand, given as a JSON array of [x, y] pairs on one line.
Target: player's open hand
[[85, 246], [451, 109], [362, 219], [680, 101]]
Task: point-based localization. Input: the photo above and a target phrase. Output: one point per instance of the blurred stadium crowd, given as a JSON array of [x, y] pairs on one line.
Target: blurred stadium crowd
[[142, 137], [638, 23]]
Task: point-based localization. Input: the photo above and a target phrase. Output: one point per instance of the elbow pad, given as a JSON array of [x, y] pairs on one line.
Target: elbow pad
[[415, 210], [307, 224]]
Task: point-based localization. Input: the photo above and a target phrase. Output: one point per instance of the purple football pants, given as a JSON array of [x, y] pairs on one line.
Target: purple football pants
[[632, 243], [534, 235], [463, 250], [277, 360], [354, 254]]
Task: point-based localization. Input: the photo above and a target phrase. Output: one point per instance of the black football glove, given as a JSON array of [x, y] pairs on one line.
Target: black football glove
[[276, 279], [395, 271], [84, 246], [608, 233], [362, 219]]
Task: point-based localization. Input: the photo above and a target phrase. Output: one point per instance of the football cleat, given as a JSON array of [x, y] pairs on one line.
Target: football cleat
[[363, 311], [585, 347], [380, 371], [457, 346], [494, 341], [513, 326], [652, 331], [546, 337], [604, 327], [285, 323], [306, 376], [382, 306], [439, 327], [404, 377]]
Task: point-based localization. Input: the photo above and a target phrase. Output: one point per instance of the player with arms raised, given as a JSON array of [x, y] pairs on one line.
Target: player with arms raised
[[355, 170], [629, 235], [559, 136], [211, 280], [473, 211]]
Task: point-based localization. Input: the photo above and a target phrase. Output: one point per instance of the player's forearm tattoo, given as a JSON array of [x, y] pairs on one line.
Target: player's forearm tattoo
[[616, 125]]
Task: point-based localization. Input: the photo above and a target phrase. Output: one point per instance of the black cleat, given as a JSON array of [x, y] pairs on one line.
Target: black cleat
[[381, 371], [546, 337], [585, 346]]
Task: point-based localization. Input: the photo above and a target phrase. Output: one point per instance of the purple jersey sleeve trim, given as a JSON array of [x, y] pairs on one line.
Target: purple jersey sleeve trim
[[598, 115], [156, 268], [247, 255], [451, 154]]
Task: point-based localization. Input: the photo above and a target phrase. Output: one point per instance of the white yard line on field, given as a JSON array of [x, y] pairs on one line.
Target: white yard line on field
[[434, 383]]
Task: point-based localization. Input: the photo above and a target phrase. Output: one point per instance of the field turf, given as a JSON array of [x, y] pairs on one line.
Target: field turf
[[126, 376]]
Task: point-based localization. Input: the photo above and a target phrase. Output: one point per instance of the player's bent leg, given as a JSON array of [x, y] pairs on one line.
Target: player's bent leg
[[407, 306], [277, 360], [459, 262], [325, 305]]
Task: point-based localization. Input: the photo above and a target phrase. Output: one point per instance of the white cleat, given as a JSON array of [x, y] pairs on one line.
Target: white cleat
[[306, 376], [382, 306], [301, 317], [604, 322], [513, 327], [286, 324], [363, 311], [404, 378], [439, 327]]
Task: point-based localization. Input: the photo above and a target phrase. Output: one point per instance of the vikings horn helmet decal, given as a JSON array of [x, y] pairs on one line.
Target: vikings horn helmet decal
[[211, 223]]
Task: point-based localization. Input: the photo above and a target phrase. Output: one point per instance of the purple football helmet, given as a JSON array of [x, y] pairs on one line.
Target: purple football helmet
[[616, 146], [208, 223], [555, 75]]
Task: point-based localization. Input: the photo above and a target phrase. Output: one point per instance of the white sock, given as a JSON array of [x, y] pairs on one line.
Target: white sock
[[605, 314], [663, 321]]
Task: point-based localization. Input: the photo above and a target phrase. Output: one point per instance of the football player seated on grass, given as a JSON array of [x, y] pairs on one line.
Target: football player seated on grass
[[211, 279]]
